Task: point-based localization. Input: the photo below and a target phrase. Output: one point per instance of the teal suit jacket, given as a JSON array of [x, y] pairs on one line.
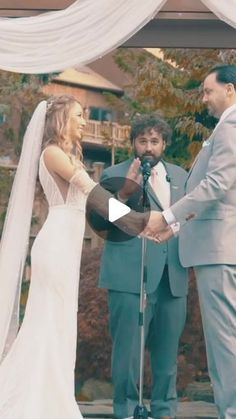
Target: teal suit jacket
[[121, 260]]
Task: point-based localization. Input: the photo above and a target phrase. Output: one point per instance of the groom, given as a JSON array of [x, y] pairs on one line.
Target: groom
[[166, 282], [207, 216]]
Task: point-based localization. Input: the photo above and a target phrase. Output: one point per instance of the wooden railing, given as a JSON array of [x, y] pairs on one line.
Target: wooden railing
[[106, 132], [96, 132]]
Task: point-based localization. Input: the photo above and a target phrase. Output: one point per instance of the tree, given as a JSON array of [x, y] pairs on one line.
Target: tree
[[19, 94], [172, 85]]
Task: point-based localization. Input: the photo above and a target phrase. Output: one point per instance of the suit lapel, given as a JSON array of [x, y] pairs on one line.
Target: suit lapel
[[153, 196], [193, 164], [174, 188], [200, 152]]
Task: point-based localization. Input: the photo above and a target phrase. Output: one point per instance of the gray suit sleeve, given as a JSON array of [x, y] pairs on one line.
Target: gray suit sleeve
[[220, 176]]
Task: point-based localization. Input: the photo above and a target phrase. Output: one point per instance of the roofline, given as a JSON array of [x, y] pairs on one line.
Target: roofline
[[92, 88]]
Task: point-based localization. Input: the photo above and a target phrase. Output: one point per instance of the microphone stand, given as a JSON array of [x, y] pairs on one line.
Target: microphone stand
[[140, 411]]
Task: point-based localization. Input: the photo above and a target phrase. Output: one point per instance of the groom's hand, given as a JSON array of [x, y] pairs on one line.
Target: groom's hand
[[156, 224], [163, 236]]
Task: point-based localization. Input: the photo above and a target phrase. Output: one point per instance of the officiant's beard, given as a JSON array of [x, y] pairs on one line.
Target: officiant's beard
[[150, 156]]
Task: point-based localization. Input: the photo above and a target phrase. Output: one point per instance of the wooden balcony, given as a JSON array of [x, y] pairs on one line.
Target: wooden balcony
[[105, 133], [101, 134]]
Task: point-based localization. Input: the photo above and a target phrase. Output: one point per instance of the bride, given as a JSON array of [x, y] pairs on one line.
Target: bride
[[37, 368]]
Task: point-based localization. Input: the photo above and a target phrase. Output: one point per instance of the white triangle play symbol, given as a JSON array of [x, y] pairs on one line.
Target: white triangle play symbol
[[116, 209]]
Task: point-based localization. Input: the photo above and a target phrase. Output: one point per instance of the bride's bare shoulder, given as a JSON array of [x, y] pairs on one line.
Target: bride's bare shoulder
[[52, 153], [58, 162], [53, 150]]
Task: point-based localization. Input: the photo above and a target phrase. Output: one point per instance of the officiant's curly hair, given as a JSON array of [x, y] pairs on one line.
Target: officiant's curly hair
[[143, 123], [55, 131]]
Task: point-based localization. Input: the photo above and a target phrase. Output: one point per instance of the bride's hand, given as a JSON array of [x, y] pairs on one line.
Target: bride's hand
[[162, 236]]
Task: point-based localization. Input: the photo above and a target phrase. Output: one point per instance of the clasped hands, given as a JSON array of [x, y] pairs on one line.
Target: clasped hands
[[157, 228]]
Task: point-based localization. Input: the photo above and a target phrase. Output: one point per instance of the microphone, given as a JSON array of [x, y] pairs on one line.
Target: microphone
[[146, 167]]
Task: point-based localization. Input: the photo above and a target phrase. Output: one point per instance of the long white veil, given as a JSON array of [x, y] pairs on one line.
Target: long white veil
[[15, 236]]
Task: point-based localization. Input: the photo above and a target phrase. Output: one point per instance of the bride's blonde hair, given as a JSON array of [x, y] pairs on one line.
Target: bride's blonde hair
[[55, 132]]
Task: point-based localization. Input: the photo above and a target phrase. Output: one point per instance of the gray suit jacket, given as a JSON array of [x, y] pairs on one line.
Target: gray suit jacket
[[121, 261], [210, 237]]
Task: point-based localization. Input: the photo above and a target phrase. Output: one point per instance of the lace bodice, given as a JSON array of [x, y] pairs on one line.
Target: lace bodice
[[77, 191]]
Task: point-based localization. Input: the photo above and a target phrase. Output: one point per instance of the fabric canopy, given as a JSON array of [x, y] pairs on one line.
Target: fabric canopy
[[225, 10], [76, 35], [81, 33]]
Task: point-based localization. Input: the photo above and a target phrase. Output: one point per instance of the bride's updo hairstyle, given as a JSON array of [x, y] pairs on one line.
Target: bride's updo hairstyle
[[56, 132]]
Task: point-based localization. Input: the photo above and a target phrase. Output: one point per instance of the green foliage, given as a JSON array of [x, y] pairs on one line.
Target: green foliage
[[6, 179], [24, 295], [172, 85], [19, 84], [4, 108], [19, 94], [9, 134], [122, 154]]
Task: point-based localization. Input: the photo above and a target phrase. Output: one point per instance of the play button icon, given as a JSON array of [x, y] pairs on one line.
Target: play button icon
[[116, 210], [111, 226]]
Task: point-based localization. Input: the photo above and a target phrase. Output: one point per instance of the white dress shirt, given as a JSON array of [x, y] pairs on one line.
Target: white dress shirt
[[160, 185]]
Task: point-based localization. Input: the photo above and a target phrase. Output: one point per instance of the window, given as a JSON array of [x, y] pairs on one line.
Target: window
[[100, 114]]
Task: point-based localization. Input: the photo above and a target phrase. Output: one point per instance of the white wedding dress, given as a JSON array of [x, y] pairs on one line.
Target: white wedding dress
[[37, 375]]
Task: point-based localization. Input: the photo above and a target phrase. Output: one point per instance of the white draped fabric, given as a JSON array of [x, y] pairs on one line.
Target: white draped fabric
[[225, 10], [14, 240], [76, 35], [81, 33]]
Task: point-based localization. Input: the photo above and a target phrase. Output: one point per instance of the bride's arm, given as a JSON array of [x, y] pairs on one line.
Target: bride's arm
[[57, 162], [133, 223]]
